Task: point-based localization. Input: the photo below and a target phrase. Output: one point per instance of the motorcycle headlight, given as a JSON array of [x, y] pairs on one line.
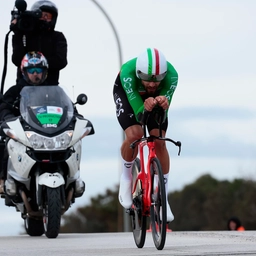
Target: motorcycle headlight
[[39, 142]]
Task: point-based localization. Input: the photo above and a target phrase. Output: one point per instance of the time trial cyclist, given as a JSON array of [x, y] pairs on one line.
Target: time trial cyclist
[[143, 83]]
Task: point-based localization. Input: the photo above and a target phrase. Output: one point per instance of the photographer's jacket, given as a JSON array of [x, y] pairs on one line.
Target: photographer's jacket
[[52, 44]]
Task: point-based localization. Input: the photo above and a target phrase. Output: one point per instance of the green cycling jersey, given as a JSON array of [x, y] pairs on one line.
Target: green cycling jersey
[[134, 89]]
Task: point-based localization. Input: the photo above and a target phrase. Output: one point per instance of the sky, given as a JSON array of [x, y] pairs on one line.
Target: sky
[[210, 43]]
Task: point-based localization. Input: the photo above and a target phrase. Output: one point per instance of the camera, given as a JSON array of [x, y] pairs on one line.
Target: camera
[[26, 20]]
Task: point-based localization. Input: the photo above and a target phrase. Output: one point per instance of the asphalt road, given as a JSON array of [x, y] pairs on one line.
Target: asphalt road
[[177, 243]]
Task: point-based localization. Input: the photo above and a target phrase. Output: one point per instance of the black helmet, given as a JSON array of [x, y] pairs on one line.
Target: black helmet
[[34, 60], [47, 6]]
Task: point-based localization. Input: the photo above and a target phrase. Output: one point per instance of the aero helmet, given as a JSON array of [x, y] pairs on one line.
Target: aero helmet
[[34, 60], [47, 6], [151, 65]]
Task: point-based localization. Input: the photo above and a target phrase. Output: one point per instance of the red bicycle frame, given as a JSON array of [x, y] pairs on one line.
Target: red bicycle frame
[[149, 201], [144, 175]]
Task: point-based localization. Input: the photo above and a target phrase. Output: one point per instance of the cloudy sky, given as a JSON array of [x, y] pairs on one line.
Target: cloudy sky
[[212, 46]]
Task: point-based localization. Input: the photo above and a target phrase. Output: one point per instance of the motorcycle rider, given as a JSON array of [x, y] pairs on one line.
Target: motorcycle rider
[[40, 36], [34, 68], [143, 83]]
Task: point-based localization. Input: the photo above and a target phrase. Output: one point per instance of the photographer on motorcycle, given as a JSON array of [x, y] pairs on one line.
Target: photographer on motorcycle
[[34, 30], [34, 69]]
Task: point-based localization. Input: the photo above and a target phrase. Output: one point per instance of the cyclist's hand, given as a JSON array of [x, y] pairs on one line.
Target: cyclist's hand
[[162, 102], [150, 103]]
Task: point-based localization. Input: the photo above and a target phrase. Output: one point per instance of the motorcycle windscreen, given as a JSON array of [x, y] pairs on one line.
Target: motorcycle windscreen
[[46, 108]]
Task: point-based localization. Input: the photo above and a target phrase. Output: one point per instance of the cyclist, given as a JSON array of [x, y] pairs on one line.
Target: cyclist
[[143, 83]]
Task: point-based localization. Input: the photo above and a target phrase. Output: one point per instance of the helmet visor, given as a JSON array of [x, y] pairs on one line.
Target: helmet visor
[[153, 78]]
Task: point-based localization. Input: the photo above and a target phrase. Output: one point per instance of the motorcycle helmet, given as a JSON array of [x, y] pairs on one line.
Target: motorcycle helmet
[[47, 6], [151, 65], [35, 62]]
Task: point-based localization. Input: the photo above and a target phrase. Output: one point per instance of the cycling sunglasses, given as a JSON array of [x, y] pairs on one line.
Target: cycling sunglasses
[[153, 78], [33, 70]]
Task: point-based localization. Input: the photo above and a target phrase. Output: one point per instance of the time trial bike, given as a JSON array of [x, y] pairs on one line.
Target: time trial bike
[[148, 189]]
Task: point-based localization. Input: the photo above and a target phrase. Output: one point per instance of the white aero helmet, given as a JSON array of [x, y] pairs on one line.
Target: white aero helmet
[[151, 65]]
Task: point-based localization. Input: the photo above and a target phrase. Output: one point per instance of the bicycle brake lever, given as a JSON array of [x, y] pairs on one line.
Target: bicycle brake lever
[[178, 144], [133, 144]]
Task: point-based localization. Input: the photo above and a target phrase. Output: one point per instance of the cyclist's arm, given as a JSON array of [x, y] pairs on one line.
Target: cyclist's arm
[[129, 82], [169, 83]]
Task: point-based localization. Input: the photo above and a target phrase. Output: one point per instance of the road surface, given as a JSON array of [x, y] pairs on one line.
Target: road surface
[[177, 243]]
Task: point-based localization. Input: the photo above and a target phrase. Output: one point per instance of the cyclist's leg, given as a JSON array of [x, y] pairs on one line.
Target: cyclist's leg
[[133, 131], [128, 157]]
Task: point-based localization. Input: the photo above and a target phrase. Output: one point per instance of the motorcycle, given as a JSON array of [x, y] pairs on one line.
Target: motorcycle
[[44, 146]]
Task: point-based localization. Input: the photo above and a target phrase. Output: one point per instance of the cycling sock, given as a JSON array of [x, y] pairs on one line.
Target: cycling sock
[[127, 170]]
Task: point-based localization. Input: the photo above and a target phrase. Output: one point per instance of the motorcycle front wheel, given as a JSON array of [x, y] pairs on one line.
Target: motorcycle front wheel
[[52, 212]]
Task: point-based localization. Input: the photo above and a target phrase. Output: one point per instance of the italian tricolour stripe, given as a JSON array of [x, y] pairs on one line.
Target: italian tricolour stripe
[[153, 61]]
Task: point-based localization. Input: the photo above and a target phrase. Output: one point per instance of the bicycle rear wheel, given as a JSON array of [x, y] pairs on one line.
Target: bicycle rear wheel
[[137, 219], [158, 207]]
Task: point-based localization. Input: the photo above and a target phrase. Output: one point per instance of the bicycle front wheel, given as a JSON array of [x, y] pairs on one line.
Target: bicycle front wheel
[[158, 206], [137, 219]]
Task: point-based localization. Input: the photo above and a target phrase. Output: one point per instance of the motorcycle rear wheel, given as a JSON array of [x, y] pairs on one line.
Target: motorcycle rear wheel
[[34, 227]]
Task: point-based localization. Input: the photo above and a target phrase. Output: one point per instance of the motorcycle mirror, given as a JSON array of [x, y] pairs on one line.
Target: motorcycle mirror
[[81, 99]]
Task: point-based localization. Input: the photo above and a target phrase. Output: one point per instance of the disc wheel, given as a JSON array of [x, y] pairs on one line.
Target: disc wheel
[[137, 219], [158, 207]]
